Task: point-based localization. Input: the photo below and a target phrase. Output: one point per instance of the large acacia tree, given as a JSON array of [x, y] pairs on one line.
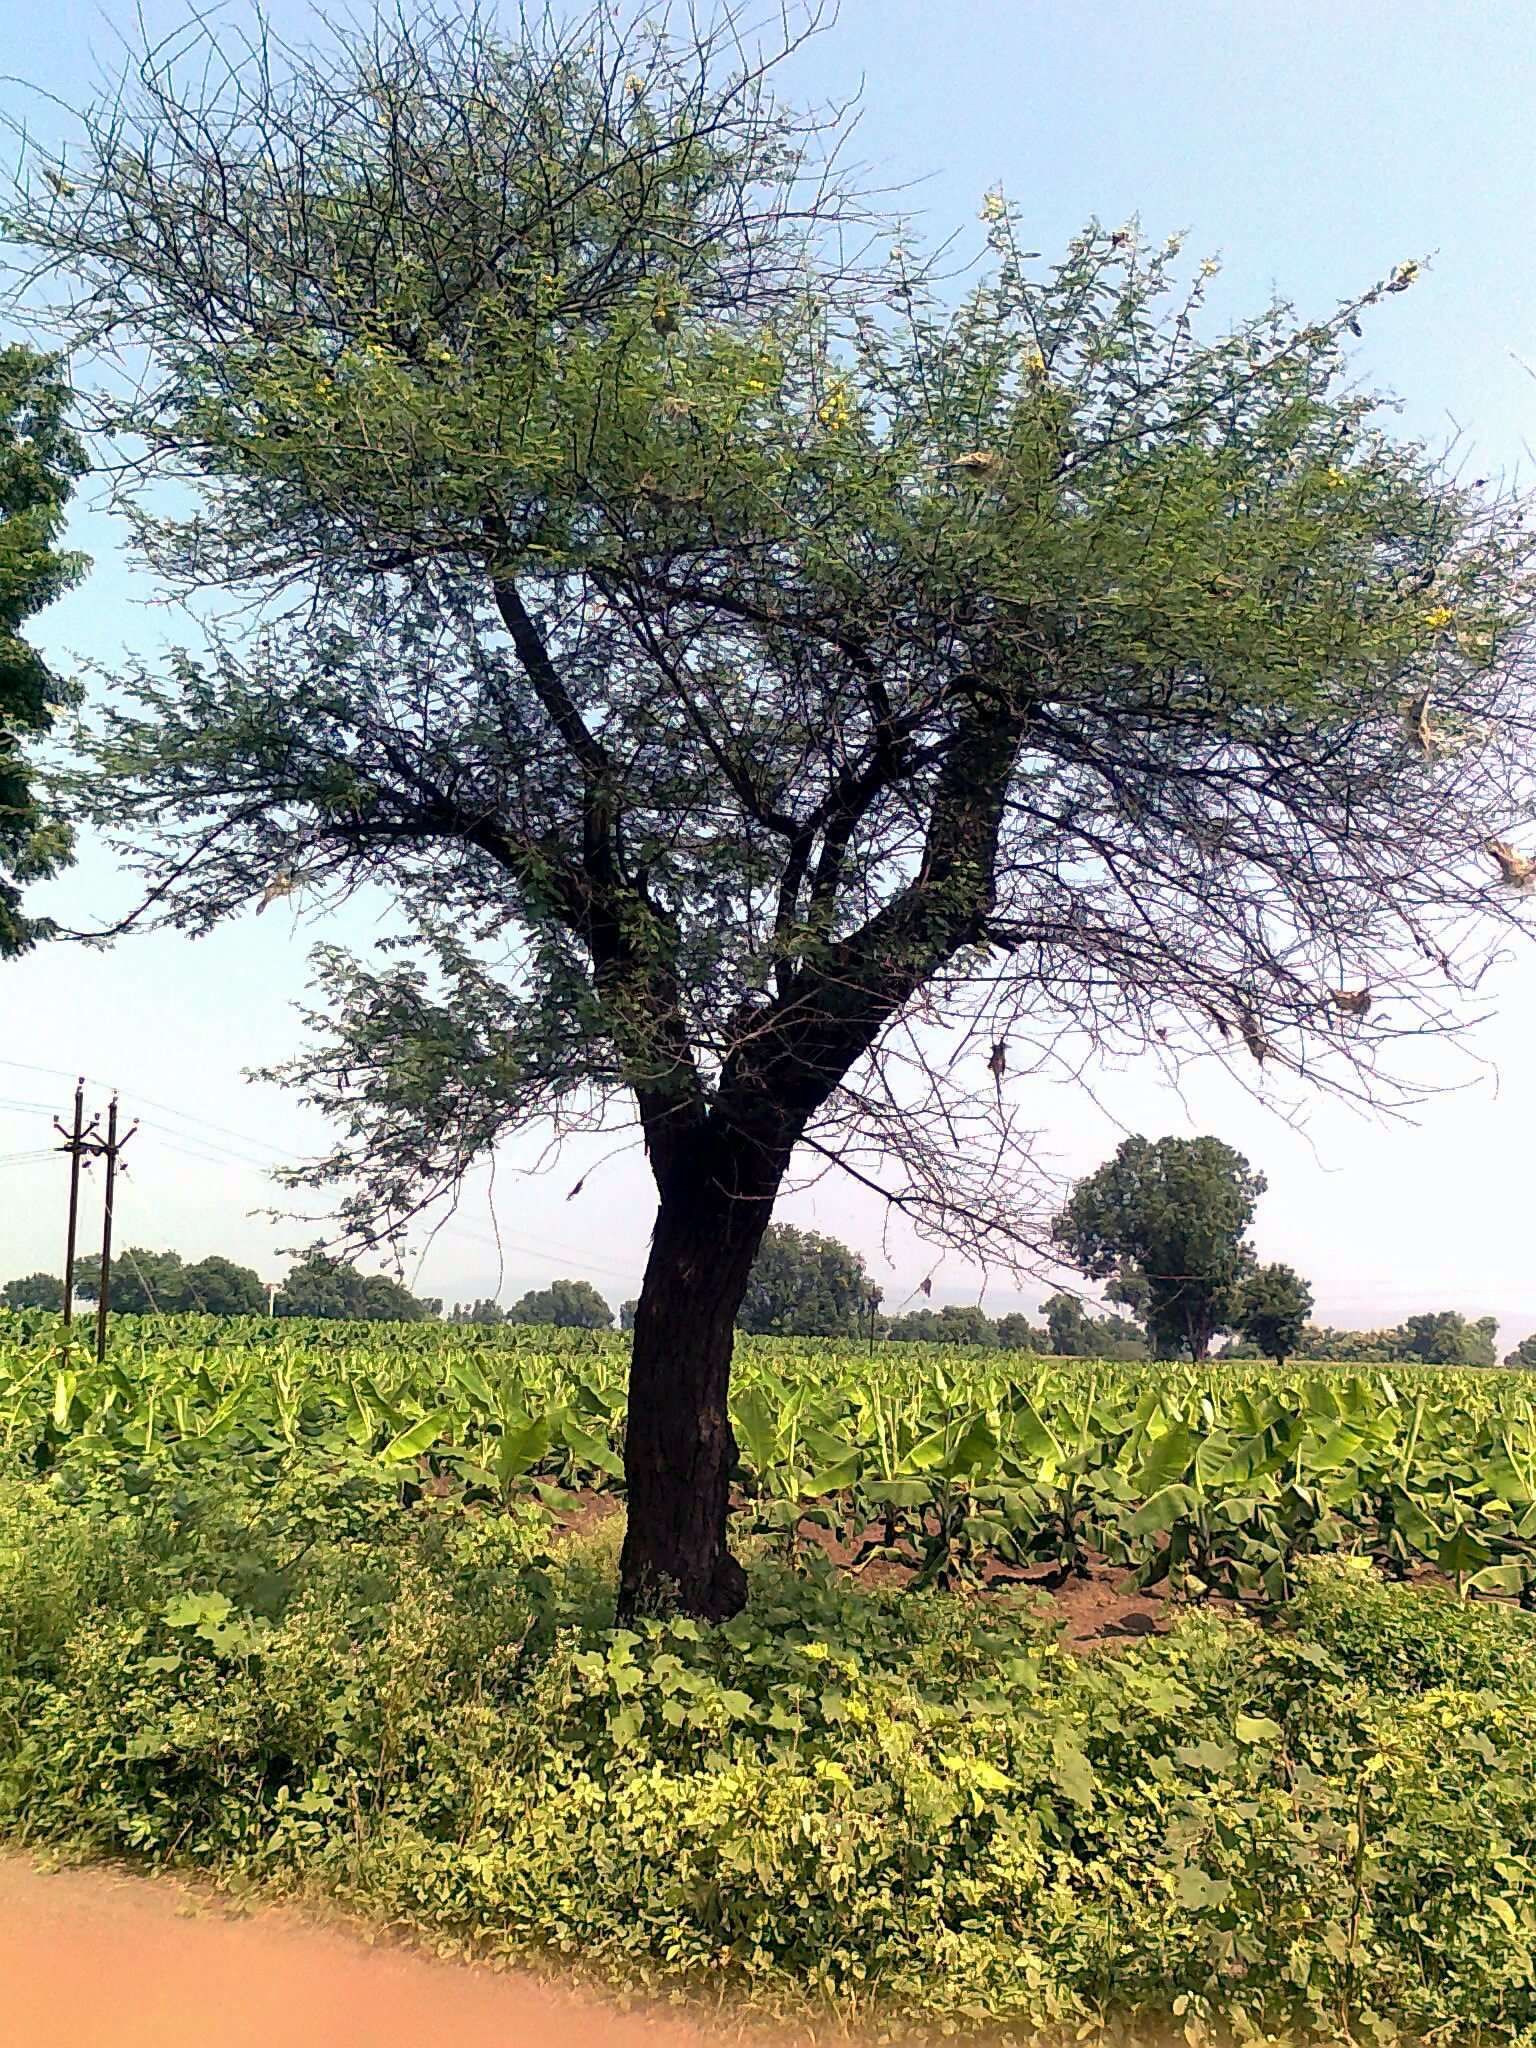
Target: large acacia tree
[[776, 694]]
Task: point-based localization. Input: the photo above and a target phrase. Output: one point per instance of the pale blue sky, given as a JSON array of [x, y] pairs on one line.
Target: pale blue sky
[[1310, 145]]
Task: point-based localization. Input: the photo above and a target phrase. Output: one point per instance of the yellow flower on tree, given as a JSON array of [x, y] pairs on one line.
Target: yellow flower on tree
[[1440, 615], [835, 410]]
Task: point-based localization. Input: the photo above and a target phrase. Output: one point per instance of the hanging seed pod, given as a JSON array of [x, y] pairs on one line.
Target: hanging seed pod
[[1354, 1002], [279, 887], [1417, 728], [980, 462], [1518, 871], [1254, 1038]]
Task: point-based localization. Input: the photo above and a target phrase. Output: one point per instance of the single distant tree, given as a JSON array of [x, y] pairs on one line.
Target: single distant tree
[[35, 1290], [1070, 1330], [804, 1285], [220, 1287], [1174, 1212], [335, 1290], [1272, 1307], [40, 461], [1446, 1338], [563, 1305], [1524, 1353], [1015, 1332], [486, 1312], [144, 1282], [627, 1314], [966, 1322], [736, 660]]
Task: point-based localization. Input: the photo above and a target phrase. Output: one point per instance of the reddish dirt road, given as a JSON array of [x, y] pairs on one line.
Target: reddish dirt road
[[89, 1959]]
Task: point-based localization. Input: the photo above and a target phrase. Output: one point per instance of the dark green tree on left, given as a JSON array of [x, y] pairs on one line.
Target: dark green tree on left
[[33, 1290], [41, 460], [146, 1283]]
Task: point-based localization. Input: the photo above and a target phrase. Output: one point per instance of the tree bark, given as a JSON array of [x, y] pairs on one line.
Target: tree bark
[[679, 1450]]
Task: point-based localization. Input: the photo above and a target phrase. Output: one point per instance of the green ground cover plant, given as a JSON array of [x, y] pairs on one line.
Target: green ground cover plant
[[245, 1632], [871, 1803]]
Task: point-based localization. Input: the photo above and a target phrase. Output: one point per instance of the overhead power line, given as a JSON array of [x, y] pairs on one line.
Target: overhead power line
[[164, 1108], [202, 1150]]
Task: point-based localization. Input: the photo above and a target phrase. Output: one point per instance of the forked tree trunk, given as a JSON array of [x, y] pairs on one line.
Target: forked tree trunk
[[679, 1450]]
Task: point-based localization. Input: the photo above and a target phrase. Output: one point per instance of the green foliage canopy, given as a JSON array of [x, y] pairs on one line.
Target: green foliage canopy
[[1175, 1213], [40, 461], [334, 1289], [1447, 1338], [760, 643], [486, 1312], [1271, 1310], [34, 1290], [563, 1305], [805, 1285], [147, 1282], [1076, 1334], [957, 1322]]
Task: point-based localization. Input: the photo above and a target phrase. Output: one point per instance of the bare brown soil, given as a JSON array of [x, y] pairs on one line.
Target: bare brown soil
[[1099, 1611], [1104, 1611], [94, 1959]]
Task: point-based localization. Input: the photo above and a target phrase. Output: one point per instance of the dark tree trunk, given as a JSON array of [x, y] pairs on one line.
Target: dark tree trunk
[[679, 1450]]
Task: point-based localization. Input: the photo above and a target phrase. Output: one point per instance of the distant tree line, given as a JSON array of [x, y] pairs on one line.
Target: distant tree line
[[1067, 1330], [1162, 1226], [804, 1284], [148, 1282], [562, 1305], [163, 1283], [1441, 1338]]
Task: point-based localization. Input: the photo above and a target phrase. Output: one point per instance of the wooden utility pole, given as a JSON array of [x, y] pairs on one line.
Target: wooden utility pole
[[78, 1142], [108, 1150]]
